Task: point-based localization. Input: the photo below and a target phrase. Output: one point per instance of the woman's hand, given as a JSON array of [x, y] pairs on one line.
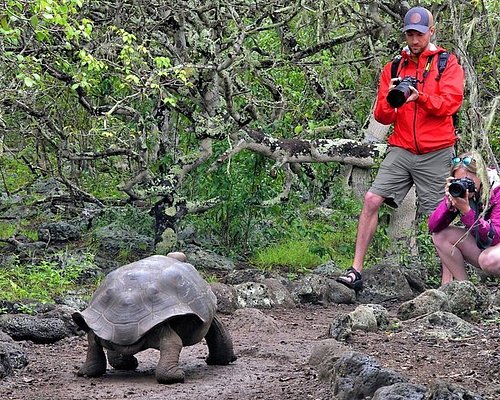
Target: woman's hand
[[460, 204]]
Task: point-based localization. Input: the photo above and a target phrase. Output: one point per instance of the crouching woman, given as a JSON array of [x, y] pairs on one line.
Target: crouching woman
[[472, 193]]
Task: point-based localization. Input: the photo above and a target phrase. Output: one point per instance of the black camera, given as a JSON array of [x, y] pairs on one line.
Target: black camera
[[458, 187], [398, 96]]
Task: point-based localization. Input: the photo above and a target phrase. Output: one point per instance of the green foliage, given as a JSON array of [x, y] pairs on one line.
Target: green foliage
[[14, 174], [43, 281], [22, 227], [428, 255], [295, 256], [127, 218]]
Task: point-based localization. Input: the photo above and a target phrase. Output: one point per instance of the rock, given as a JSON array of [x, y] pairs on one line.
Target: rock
[[5, 367], [318, 289], [358, 376], [400, 391], [385, 282], [253, 294], [448, 391], [34, 328], [280, 296], [445, 325], [208, 260], [114, 240], [325, 354], [363, 318], [341, 327], [227, 297], [60, 231], [430, 301], [14, 354], [464, 298]]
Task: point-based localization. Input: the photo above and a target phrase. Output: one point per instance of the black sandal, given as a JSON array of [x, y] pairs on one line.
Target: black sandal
[[352, 279]]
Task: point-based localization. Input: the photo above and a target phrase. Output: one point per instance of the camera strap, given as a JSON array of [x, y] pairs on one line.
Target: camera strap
[[475, 205], [427, 67]]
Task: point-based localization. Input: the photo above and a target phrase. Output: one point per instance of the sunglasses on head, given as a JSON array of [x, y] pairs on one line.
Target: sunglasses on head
[[464, 160]]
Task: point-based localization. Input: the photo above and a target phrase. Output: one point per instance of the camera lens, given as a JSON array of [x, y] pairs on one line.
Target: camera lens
[[457, 189], [396, 98]]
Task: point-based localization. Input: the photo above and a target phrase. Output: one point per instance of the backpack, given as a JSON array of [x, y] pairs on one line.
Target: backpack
[[442, 61]]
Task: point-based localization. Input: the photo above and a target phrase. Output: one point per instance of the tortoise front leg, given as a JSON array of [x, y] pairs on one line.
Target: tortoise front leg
[[95, 363], [167, 370]]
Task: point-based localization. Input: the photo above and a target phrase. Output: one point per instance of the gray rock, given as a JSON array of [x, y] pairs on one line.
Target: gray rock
[[364, 319], [401, 391], [430, 301], [385, 282], [357, 376], [280, 295], [113, 240], [227, 297], [5, 367], [14, 354], [448, 391], [34, 328], [324, 355], [254, 294], [60, 231], [464, 298], [318, 289], [208, 260], [445, 325], [341, 327], [340, 294]]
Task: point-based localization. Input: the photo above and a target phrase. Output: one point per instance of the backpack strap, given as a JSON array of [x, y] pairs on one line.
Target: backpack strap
[[442, 61], [395, 65]]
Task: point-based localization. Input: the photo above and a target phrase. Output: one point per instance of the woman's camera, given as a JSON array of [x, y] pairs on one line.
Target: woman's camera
[[458, 187], [398, 96]]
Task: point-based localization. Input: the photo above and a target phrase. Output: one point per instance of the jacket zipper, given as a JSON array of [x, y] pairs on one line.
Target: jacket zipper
[[415, 111]]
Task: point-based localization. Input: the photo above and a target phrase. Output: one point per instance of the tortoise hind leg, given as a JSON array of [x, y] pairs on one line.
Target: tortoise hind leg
[[95, 363], [220, 344], [122, 361]]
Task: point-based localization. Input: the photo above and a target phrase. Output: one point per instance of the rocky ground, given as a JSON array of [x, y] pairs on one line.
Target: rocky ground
[[273, 349]]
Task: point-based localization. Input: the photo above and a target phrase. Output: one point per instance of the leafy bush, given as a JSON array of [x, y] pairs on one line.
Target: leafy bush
[[43, 281], [128, 218]]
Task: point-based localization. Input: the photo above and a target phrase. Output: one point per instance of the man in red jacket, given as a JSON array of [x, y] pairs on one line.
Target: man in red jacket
[[421, 145]]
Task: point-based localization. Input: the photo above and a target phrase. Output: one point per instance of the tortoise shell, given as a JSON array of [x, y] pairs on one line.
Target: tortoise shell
[[136, 297]]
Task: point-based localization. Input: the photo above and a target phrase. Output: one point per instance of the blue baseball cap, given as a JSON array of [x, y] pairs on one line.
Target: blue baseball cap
[[418, 19]]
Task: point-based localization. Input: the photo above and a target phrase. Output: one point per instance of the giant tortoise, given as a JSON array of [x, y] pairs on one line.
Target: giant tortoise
[[159, 302]]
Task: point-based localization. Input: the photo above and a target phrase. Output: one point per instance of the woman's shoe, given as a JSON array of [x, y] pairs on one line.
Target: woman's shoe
[[352, 279]]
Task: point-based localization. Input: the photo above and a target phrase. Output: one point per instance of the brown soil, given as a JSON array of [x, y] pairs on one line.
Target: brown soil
[[273, 349]]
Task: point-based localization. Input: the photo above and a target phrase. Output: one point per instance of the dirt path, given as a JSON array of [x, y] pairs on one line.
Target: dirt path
[[273, 349]]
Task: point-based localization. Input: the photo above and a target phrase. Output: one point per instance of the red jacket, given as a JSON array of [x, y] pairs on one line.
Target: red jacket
[[424, 125]]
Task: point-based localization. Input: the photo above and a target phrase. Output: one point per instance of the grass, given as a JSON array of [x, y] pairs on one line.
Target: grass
[[293, 255]]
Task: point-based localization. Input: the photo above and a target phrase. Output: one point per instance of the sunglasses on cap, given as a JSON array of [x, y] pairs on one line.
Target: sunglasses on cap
[[464, 160]]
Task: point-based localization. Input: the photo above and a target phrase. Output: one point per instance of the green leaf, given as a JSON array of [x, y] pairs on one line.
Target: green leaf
[[34, 21], [28, 81], [5, 24]]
